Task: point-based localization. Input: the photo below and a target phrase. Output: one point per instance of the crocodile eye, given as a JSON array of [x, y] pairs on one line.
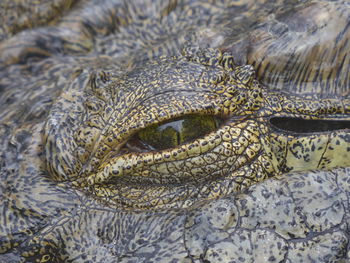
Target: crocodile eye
[[175, 132]]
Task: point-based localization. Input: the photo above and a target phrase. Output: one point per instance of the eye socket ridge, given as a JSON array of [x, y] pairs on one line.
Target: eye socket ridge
[[173, 133]]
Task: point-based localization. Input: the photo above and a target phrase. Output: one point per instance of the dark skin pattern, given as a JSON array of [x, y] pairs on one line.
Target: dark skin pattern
[[59, 84]]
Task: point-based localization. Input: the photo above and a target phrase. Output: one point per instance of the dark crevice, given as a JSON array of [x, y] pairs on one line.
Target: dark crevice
[[308, 126]]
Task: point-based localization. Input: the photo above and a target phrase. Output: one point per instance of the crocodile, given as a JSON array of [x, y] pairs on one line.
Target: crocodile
[[174, 131]]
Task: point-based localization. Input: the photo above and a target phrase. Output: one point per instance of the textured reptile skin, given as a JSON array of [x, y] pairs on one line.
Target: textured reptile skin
[[80, 80]]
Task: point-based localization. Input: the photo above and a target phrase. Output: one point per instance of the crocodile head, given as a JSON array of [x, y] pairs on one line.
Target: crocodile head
[[182, 129]]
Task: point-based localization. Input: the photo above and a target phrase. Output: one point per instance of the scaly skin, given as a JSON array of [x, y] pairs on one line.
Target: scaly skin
[[245, 147], [76, 93]]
